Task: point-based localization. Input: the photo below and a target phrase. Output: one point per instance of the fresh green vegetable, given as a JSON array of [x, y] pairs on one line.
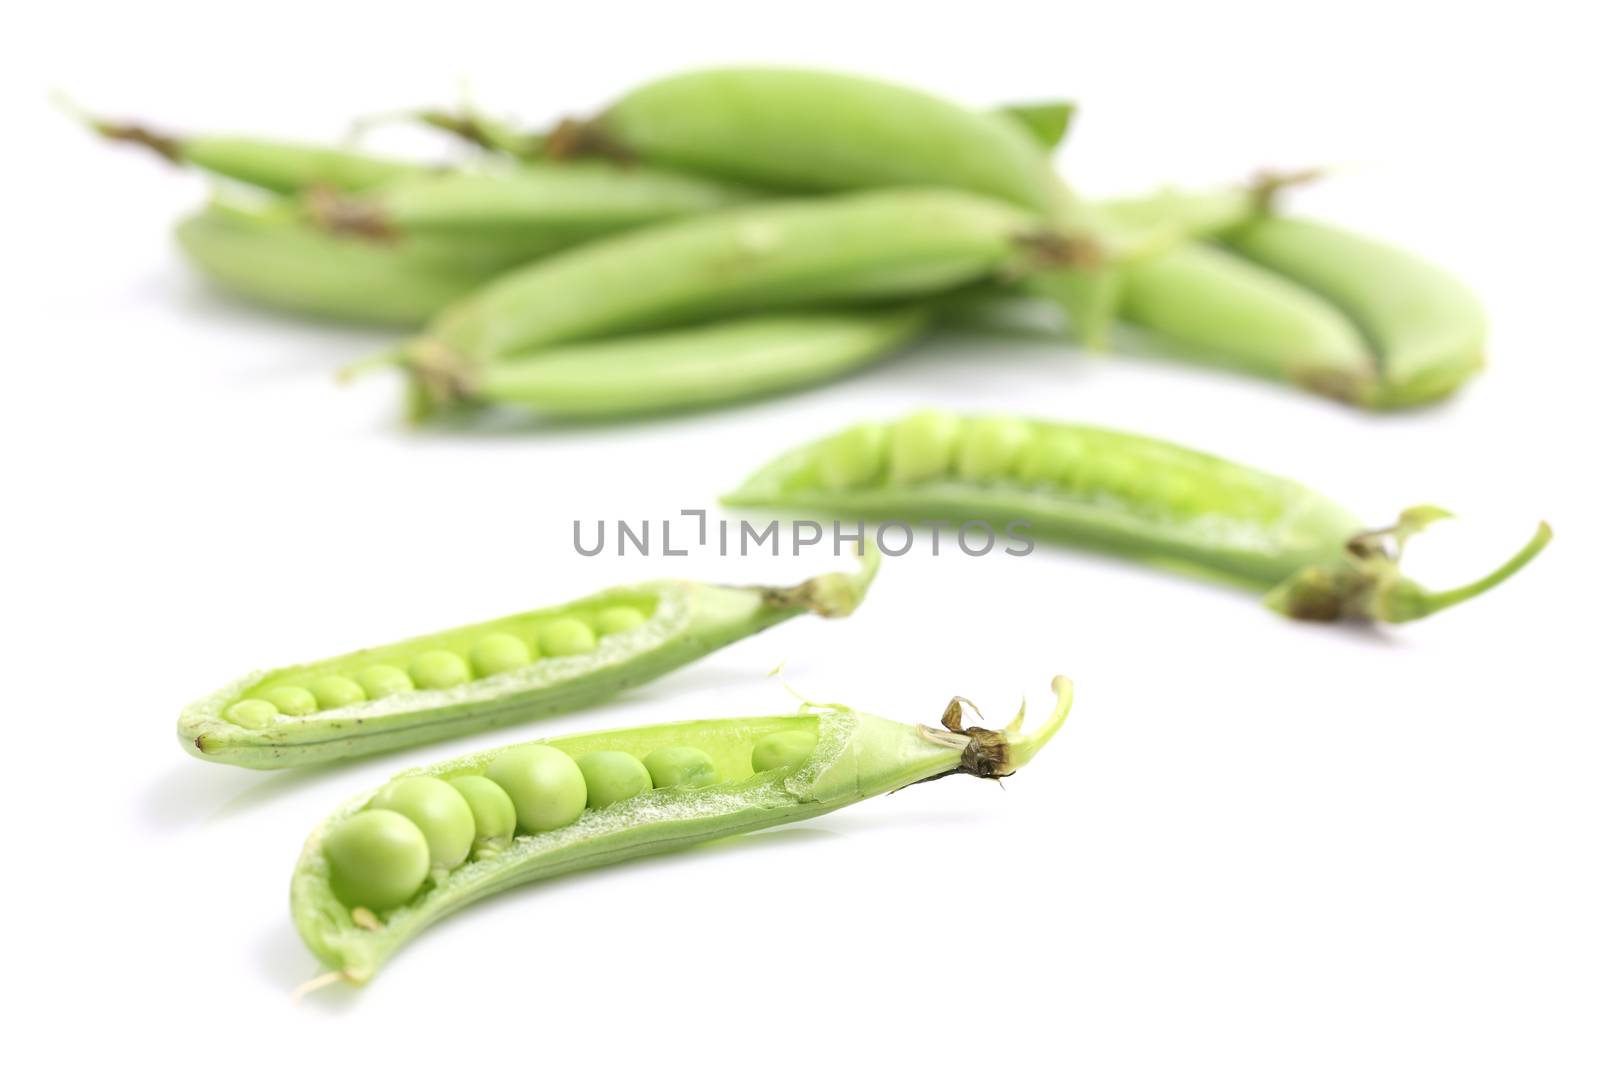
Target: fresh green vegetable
[[360, 890], [1426, 329], [1123, 493], [567, 667]]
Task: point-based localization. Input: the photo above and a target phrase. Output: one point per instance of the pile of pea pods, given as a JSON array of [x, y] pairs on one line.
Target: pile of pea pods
[[720, 235], [709, 239]]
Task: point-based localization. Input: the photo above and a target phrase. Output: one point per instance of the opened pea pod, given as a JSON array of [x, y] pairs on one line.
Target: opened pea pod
[[1122, 493], [493, 673], [392, 862]]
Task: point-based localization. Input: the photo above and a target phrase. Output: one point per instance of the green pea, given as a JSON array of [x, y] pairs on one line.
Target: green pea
[[852, 458], [612, 776], [497, 653], [990, 447], [494, 817], [376, 859], [566, 637], [441, 813], [381, 680], [544, 784], [291, 700], [251, 714], [782, 749], [1049, 458], [335, 691], [921, 446], [438, 669], [617, 620], [680, 765]]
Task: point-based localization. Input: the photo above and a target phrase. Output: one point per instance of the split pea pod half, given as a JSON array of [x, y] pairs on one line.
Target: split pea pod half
[[386, 865], [852, 249], [559, 204], [269, 255], [1426, 329], [1121, 493], [681, 369], [277, 166], [507, 670]]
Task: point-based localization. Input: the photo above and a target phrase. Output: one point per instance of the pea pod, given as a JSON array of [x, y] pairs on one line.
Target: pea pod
[[555, 204], [673, 370], [859, 248], [268, 255], [277, 166], [362, 889], [1426, 329], [1225, 310], [1122, 493], [816, 131], [1046, 121], [492, 673]]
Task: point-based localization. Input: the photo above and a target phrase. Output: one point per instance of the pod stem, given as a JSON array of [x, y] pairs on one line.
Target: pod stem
[[336, 213], [997, 754], [1423, 602], [360, 368], [580, 139], [1367, 584], [164, 145], [830, 595], [478, 129]]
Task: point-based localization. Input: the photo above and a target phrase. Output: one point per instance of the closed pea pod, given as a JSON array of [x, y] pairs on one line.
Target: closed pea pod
[[860, 248], [1134, 495], [277, 166], [1426, 327], [675, 370], [1226, 310], [580, 664], [553, 205], [271, 256], [816, 131], [851, 756], [1046, 122]]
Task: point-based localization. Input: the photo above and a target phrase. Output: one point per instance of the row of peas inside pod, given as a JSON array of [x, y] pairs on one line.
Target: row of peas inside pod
[[437, 668], [421, 827]]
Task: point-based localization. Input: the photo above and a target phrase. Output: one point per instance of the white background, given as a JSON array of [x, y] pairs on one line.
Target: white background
[[1255, 841]]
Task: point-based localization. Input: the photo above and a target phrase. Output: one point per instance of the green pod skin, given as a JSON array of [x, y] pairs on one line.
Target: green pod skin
[[690, 367], [1222, 309], [857, 249], [269, 256], [1131, 232], [1120, 493], [278, 166], [684, 621], [561, 204], [815, 131], [1046, 121], [1427, 329], [856, 756]]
